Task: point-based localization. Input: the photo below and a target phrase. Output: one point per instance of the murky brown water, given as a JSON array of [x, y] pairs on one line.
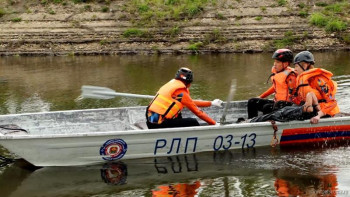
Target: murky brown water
[[32, 84]]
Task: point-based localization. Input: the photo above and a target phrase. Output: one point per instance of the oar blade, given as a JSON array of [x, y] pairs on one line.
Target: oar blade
[[96, 92]]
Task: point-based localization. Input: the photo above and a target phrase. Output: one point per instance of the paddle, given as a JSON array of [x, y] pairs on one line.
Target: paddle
[[229, 99], [97, 92]]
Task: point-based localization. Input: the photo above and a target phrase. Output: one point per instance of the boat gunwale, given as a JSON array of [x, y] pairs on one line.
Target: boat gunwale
[[168, 130], [87, 110], [69, 111]]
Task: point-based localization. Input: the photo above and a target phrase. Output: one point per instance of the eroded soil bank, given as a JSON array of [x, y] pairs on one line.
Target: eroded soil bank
[[57, 27]]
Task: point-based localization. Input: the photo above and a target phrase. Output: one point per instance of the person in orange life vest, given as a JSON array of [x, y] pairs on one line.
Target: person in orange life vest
[[318, 83], [283, 86], [315, 94], [164, 111]]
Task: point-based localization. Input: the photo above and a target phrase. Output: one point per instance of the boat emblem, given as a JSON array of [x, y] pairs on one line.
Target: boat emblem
[[113, 149]]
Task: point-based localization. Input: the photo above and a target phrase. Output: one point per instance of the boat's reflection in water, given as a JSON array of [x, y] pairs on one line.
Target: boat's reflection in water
[[114, 173], [265, 172]]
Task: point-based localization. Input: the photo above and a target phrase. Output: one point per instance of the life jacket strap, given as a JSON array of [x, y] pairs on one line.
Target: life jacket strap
[[168, 110], [301, 85]]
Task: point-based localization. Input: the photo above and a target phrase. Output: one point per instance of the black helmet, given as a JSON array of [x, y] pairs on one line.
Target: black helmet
[[185, 75], [283, 55], [304, 56]]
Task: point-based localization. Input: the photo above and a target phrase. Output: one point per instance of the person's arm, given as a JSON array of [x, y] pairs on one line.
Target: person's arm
[[268, 92], [190, 104], [201, 103], [315, 119]]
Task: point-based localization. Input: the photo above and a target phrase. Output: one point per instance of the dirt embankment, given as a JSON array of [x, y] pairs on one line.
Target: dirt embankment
[[223, 26]]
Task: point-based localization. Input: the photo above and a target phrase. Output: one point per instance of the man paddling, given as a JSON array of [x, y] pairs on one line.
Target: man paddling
[[164, 111], [315, 94]]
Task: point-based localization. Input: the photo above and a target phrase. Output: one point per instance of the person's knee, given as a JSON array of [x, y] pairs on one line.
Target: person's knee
[[252, 101], [267, 108]]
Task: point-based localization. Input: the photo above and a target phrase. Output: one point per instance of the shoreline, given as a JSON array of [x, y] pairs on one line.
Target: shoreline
[[116, 28]]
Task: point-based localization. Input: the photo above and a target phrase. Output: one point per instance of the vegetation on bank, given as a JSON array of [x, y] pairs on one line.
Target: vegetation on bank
[[2, 12], [333, 18], [148, 12], [169, 18]]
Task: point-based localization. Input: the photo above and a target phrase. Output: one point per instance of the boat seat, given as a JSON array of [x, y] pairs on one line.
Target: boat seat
[[140, 125]]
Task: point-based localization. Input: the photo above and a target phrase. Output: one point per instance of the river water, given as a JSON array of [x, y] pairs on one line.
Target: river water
[[33, 84]]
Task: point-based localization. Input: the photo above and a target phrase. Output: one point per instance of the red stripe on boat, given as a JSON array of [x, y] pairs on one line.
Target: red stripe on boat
[[315, 134], [309, 130]]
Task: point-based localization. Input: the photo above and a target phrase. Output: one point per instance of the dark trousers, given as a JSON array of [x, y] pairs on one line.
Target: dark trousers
[[287, 113], [178, 122], [265, 106], [258, 104]]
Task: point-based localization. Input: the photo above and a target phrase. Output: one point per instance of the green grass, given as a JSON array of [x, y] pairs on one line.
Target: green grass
[[51, 11], [321, 4], [103, 42], [333, 18], [174, 31], [335, 8], [87, 8], [133, 33], [104, 9], [303, 13], [148, 11], [319, 19], [215, 36], [346, 38], [57, 1], [220, 16], [2, 12], [16, 20], [258, 18], [288, 40], [195, 46], [336, 25], [301, 5], [143, 8], [281, 2]]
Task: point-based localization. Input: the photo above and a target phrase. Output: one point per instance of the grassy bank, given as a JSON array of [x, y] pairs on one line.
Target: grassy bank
[[171, 26]]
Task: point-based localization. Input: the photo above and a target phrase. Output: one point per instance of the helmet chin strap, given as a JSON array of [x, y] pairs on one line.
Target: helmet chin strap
[[283, 69], [308, 66]]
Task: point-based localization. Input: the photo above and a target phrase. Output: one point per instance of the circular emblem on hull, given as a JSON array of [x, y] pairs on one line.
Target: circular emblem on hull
[[113, 149]]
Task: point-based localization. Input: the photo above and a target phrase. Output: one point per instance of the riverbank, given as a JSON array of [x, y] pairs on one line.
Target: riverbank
[[57, 27]]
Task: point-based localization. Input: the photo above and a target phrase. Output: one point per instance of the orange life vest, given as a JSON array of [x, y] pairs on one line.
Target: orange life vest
[[164, 104], [318, 81], [284, 84]]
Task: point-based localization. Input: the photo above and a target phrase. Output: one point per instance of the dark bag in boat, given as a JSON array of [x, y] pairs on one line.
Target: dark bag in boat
[[285, 114], [12, 129]]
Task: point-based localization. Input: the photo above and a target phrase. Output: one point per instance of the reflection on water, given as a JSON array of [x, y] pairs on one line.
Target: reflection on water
[[180, 189], [260, 172], [114, 173], [310, 185]]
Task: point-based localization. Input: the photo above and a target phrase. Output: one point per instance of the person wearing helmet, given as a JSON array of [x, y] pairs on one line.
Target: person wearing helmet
[[315, 94], [318, 83], [283, 86], [164, 111]]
